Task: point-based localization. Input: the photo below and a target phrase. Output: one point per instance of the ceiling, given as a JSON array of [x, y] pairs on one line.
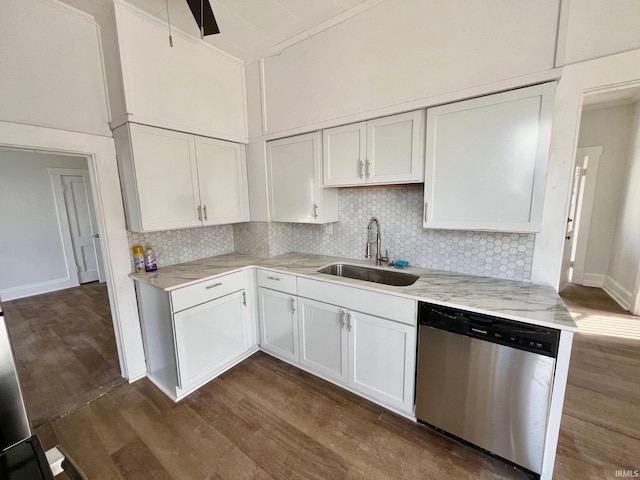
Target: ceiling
[[250, 29]]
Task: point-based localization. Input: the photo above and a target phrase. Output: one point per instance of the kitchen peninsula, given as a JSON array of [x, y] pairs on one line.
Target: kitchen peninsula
[[257, 301]]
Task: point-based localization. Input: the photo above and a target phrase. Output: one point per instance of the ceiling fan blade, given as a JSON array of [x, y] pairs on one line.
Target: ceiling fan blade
[[210, 24]]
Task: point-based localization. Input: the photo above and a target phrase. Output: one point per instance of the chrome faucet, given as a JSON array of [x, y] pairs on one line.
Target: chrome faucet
[[379, 257]]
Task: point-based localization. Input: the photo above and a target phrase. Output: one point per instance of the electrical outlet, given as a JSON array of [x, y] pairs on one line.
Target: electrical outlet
[[328, 228]]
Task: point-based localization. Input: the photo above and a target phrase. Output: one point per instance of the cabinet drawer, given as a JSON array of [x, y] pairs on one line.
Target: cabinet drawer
[[382, 305], [192, 295], [277, 281]]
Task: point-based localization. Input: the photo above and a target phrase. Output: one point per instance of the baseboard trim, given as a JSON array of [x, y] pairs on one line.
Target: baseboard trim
[[616, 291], [23, 291], [593, 279], [137, 376]]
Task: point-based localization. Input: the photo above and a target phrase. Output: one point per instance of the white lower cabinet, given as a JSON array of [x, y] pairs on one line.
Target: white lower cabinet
[[194, 333], [369, 354], [323, 339], [382, 359], [279, 323], [210, 335]]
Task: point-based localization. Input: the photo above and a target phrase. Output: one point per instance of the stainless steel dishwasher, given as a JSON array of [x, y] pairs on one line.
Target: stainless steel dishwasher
[[486, 381]]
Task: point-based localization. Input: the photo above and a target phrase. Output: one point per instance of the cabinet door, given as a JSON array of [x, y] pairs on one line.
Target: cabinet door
[[279, 323], [291, 164], [486, 161], [395, 149], [382, 359], [208, 336], [166, 178], [323, 339], [222, 177], [344, 155]]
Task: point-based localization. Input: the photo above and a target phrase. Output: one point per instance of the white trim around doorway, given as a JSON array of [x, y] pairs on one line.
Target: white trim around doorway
[[107, 199]]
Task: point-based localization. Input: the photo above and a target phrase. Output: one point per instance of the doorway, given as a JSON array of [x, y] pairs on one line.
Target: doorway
[[61, 332], [601, 247]]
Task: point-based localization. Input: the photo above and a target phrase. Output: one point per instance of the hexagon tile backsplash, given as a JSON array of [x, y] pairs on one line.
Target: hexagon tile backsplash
[[177, 246], [399, 210]]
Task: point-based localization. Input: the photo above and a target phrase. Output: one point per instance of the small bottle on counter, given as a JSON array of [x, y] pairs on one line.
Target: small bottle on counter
[[138, 258], [150, 262]]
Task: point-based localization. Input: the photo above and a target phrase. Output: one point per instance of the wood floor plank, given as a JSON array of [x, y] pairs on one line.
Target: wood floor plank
[[76, 435], [64, 346], [109, 424], [136, 462], [230, 462], [167, 445]]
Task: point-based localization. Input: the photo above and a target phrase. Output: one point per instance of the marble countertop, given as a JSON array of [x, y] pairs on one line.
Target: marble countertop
[[535, 304]]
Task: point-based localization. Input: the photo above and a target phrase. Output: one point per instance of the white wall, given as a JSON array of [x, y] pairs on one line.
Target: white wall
[[626, 246], [31, 249], [611, 128], [596, 28], [51, 69], [404, 50]]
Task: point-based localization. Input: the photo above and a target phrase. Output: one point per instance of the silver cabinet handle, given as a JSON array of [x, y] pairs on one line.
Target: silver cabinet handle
[[349, 321], [277, 279], [214, 285], [343, 317], [367, 168], [199, 213], [426, 208], [315, 210], [204, 210], [293, 305], [361, 168], [244, 298]]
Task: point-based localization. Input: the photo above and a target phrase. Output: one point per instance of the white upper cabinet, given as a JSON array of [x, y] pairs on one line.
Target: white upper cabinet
[[344, 154], [293, 178], [381, 151], [486, 161], [175, 180], [222, 178], [160, 178]]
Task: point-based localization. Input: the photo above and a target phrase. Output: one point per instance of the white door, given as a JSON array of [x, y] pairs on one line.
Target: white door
[[85, 239], [576, 201], [344, 155], [291, 165], [323, 339], [166, 178], [382, 359], [395, 148], [279, 324], [589, 159], [222, 178], [209, 336]]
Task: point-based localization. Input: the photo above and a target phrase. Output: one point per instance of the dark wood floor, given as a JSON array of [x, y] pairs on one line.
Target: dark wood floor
[[600, 430], [265, 419], [65, 349]]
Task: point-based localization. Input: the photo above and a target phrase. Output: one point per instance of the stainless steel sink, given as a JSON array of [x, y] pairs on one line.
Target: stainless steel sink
[[377, 275]]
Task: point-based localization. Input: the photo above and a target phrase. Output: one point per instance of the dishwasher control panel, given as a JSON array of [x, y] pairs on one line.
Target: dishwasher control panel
[[532, 338]]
